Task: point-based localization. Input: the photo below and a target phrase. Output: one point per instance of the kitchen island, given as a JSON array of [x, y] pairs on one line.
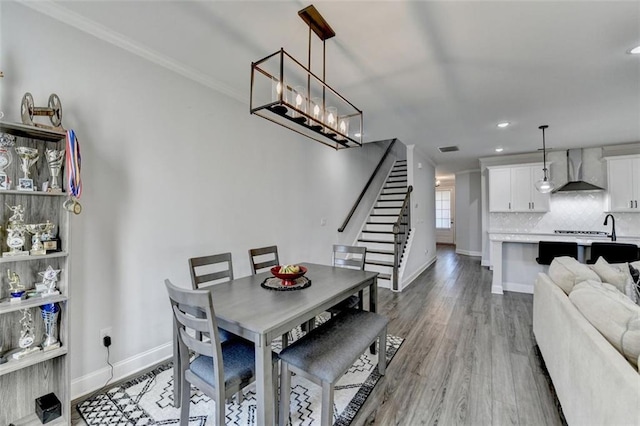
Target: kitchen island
[[513, 256]]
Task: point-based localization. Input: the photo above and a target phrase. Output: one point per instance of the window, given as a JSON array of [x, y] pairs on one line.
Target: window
[[443, 209]]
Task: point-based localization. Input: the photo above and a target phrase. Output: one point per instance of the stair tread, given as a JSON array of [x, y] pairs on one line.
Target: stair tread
[[379, 263], [378, 251], [377, 232], [384, 276], [376, 241]]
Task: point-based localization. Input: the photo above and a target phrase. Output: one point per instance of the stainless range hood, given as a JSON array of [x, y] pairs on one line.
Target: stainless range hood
[[574, 174]]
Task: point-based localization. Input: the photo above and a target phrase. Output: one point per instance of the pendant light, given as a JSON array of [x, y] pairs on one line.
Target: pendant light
[[544, 185]]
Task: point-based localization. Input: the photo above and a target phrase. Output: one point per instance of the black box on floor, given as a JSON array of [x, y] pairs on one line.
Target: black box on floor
[[48, 407]]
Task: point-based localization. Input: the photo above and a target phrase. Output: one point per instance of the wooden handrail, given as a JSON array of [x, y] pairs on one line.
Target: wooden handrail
[[366, 186]]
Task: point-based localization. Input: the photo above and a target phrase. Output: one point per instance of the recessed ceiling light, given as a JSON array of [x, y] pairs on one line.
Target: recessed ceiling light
[[634, 51], [499, 149], [503, 124]]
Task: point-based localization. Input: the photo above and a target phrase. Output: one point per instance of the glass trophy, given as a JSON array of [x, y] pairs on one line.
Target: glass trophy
[[50, 313], [49, 279]]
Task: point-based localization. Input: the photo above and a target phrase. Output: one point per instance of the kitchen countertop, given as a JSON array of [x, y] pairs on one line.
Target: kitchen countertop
[[584, 240]]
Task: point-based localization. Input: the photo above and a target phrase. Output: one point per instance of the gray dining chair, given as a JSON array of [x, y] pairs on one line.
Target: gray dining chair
[[353, 257], [204, 270], [219, 370], [211, 270], [264, 257]]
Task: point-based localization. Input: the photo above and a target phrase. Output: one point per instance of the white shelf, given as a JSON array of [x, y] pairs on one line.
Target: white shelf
[[7, 306], [18, 364], [31, 257]]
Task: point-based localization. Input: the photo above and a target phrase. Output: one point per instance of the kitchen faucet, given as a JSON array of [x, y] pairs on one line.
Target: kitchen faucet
[[613, 226]]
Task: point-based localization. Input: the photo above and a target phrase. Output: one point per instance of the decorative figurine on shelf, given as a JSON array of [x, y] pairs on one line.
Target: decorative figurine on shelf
[[49, 279], [28, 157], [15, 232], [54, 160], [26, 336], [37, 230], [18, 213], [50, 317], [6, 143], [15, 286]]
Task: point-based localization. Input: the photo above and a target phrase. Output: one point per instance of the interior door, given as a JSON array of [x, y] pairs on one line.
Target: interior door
[[445, 212]]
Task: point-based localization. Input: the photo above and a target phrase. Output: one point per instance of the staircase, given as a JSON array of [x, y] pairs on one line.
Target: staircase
[[377, 235]]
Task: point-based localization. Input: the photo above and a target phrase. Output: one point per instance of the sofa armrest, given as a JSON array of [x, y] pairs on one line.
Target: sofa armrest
[[594, 382]]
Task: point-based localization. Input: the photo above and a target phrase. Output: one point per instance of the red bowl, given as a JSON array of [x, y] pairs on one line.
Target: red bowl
[[288, 279]]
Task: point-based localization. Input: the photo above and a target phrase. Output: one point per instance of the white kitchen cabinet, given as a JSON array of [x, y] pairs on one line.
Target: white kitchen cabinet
[[623, 193], [499, 190], [512, 189]]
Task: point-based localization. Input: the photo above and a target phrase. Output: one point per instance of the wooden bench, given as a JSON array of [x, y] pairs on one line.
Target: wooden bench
[[327, 352]]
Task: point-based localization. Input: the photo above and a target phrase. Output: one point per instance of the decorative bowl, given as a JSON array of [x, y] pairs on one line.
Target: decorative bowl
[[288, 279]]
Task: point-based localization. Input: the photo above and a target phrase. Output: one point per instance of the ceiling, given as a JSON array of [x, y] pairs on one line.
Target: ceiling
[[429, 73]]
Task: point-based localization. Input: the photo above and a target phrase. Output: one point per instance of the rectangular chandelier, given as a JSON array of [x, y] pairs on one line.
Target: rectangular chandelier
[[287, 93]]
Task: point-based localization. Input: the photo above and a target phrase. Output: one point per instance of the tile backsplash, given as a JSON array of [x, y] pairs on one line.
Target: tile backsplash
[[575, 211]]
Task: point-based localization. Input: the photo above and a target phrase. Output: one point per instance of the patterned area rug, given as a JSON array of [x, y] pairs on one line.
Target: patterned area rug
[[148, 399]]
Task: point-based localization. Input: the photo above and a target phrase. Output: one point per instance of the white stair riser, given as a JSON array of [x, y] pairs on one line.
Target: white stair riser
[[397, 204], [381, 269], [394, 211], [391, 197], [383, 219], [392, 191], [379, 237], [378, 256], [376, 246], [380, 227]]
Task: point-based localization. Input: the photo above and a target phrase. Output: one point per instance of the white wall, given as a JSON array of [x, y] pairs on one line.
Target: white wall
[[422, 253], [468, 213], [171, 170]]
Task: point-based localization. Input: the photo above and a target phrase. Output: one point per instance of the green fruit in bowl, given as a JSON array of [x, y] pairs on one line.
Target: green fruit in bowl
[[289, 269]]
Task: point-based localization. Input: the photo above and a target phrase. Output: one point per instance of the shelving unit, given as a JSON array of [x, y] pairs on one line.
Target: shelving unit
[[24, 380]]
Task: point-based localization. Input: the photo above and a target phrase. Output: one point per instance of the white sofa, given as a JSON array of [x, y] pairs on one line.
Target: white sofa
[[595, 384]]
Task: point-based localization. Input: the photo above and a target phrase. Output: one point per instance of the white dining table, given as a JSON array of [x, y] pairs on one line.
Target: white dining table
[[260, 315]]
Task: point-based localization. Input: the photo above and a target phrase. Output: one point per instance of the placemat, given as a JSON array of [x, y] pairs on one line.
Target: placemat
[[274, 283]]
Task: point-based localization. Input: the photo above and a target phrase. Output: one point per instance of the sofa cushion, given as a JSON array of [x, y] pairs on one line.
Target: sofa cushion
[[611, 274], [567, 272], [612, 313], [635, 280]]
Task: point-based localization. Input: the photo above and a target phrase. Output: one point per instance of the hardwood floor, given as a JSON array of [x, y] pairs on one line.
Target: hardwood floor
[[468, 358]]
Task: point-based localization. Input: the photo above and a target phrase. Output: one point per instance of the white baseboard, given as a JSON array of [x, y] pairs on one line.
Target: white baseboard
[[485, 262], [518, 287], [406, 281], [95, 380], [469, 252]]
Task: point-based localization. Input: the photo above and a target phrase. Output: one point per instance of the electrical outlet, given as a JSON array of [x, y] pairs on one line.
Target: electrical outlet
[[105, 332]]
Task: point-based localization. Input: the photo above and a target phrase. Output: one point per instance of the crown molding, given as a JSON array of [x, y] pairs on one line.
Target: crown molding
[[75, 20]]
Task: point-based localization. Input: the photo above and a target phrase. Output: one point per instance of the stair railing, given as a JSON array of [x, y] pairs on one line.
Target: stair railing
[[401, 234], [366, 186]]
